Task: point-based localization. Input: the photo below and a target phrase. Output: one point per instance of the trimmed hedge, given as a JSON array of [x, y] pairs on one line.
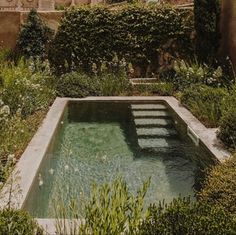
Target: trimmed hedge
[[182, 217], [140, 34], [220, 186]]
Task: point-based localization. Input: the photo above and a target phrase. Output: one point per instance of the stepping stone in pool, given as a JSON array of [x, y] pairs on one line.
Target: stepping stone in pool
[[155, 113], [152, 122], [148, 107], [157, 131]]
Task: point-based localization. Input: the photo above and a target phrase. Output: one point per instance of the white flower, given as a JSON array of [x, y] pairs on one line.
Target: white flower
[[10, 157], [51, 171], [66, 167]]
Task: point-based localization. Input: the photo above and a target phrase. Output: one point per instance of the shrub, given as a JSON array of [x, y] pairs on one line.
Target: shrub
[[205, 103], [77, 84], [136, 33], [185, 217], [111, 209], [17, 222], [207, 19], [27, 87], [34, 37], [227, 132], [188, 74], [220, 186]]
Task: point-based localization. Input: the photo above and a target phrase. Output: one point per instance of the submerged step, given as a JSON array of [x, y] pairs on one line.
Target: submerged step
[[155, 113], [152, 122], [157, 143], [157, 131], [148, 107]]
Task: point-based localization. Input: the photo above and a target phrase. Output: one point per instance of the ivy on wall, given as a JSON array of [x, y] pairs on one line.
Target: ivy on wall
[[207, 19], [139, 34]]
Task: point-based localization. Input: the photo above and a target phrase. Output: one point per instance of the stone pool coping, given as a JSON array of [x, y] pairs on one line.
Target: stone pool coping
[[26, 169]]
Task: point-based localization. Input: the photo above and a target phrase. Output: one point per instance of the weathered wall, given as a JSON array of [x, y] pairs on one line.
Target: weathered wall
[[9, 28], [228, 30], [10, 25]]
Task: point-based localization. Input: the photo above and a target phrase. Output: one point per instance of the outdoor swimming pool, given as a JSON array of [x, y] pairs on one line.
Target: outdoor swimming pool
[[99, 141]]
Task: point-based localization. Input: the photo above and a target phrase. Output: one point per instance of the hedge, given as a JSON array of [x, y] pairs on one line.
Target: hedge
[[139, 34]]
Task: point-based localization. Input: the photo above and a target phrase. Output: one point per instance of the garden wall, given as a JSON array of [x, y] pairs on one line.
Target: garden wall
[[10, 25]]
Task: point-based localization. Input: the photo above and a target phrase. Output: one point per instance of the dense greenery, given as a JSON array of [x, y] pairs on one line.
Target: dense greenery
[[140, 34], [17, 222], [205, 103], [220, 186], [34, 37], [183, 217], [77, 84], [207, 20], [26, 91]]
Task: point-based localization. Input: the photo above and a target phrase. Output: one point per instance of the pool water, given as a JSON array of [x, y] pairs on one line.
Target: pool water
[[99, 141]]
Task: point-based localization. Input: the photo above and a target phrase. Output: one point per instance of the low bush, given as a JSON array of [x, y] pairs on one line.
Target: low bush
[[17, 222], [26, 87], [205, 103], [188, 74], [227, 131], [77, 84], [220, 186], [111, 209], [183, 217]]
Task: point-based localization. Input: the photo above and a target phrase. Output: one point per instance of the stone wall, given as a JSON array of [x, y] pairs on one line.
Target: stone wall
[[228, 30]]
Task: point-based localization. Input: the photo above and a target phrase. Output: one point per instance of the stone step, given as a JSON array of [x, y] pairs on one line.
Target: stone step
[[148, 107], [151, 143], [156, 113], [156, 131], [153, 122]]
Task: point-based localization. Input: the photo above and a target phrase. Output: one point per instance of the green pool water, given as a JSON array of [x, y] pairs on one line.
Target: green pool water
[[97, 142]]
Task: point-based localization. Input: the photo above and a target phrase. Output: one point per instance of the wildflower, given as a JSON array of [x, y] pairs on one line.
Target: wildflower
[[51, 171], [66, 167]]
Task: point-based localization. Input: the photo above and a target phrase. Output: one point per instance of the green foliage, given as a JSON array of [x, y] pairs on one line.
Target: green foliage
[[220, 186], [17, 222], [163, 89], [205, 103], [34, 37], [111, 209], [188, 74], [137, 33], [76, 84], [227, 132], [26, 91], [183, 217], [26, 87], [207, 19]]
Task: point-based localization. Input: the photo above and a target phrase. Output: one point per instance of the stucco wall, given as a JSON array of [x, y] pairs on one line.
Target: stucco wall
[[10, 25], [9, 28], [228, 30]]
